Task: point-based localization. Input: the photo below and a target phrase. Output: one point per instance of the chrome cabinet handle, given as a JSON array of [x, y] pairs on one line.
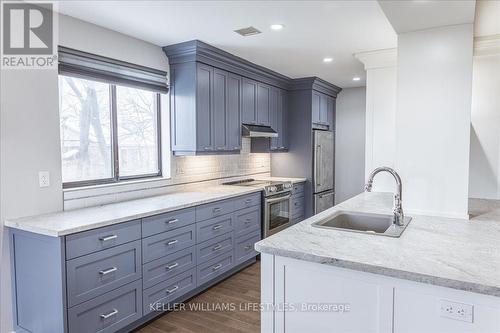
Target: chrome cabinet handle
[[216, 267], [216, 209], [110, 314], [169, 267], [207, 148], [236, 147], [217, 247], [217, 227], [248, 221], [107, 238], [221, 148], [169, 291], [172, 221], [248, 200], [172, 242], [107, 271], [248, 247]]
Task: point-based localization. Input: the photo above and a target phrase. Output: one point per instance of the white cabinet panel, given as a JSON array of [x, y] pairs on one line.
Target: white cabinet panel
[[317, 298]]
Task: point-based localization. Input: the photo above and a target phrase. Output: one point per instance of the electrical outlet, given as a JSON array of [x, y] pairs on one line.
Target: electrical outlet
[[457, 311], [44, 178]]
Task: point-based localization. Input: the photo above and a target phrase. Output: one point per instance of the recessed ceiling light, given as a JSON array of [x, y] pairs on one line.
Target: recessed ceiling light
[[356, 78], [328, 59], [277, 26]]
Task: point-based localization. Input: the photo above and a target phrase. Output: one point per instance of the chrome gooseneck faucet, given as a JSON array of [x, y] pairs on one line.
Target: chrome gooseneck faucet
[[398, 200]]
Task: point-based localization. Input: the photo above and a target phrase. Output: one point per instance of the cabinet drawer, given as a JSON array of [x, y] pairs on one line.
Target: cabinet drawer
[[297, 206], [297, 188], [208, 211], [103, 238], [247, 220], [247, 201], [91, 275], [109, 312], [165, 222], [166, 243], [244, 248], [214, 227], [215, 267], [212, 248], [169, 266], [297, 219], [168, 291]]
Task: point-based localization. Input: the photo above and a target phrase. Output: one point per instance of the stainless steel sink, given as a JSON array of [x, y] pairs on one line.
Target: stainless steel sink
[[376, 224]]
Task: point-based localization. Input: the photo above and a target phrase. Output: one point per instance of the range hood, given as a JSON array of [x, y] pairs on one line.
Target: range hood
[[258, 131]]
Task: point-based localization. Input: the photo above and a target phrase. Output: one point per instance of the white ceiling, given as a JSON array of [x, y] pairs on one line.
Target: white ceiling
[[413, 15], [313, 30]]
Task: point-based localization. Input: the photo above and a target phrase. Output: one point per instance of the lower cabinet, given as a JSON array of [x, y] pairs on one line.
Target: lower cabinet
[[297, 203], [313, 297], [107, 279]]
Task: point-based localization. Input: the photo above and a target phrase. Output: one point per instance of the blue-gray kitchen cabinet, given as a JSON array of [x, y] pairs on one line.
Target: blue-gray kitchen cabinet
[[263, 99], [249, 101], [278, 114], [322, 111], [205, 110]]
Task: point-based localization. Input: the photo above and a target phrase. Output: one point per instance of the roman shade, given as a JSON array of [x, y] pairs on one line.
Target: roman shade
[[86, 65]]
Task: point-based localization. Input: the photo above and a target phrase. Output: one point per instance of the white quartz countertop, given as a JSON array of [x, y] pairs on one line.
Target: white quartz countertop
[[282, 179], [454, 253], [68, 222]]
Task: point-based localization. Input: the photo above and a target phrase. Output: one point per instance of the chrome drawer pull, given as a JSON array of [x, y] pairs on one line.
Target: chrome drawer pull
[[107, 238], [216, 267], [107, 271], [172, 242], [296, 204], [169, 291], [111, 314], [216, 227], [248, 200], [172, 221], [216, 209], [217, 247], [248, 247], [169, 267], [248, 221]]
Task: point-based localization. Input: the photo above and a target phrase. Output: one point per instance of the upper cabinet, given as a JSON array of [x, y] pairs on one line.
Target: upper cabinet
[[323, 110], [255, 103], [205, 109], [278, 115]]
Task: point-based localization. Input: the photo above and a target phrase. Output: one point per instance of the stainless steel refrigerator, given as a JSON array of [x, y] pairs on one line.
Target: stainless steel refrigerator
[[323, 170]]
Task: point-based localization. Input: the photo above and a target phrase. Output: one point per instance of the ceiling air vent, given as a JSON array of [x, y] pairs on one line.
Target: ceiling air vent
[[248, 31]]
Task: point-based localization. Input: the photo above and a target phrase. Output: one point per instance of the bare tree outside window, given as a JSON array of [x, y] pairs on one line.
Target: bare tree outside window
[[85, 129], [108, 132], [137, 131]]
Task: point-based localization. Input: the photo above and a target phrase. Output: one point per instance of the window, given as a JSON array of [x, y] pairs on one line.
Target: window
[[109, 132]]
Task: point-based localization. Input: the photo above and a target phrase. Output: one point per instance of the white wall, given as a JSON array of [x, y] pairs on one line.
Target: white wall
[[434, 83], [484, 181], [350, 143]]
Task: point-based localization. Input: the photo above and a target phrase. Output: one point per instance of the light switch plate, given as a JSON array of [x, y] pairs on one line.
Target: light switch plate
[[457, 311], [44, 178]]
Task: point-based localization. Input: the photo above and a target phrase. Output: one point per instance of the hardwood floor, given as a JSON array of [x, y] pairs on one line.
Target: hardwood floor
[[229, 306]]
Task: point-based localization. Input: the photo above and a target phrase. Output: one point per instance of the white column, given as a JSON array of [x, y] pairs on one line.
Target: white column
[[380, 144]]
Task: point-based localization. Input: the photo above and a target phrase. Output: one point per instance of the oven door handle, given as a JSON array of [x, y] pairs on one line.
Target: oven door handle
[[283, 198]]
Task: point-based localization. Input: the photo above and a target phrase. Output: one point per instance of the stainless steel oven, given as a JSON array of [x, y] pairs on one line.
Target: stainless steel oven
[[277, 213]]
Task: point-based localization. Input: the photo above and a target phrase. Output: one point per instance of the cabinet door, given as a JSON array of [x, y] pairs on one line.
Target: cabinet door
[[204, 116], [274, 114], [233, 115], [284, 119], [249, 101], [263, 92], [331, 113], [220, 109], [316, 107], [323, 109], [328, 299]]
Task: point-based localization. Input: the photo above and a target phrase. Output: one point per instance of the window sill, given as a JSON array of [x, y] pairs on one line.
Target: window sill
[[114, 188]]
